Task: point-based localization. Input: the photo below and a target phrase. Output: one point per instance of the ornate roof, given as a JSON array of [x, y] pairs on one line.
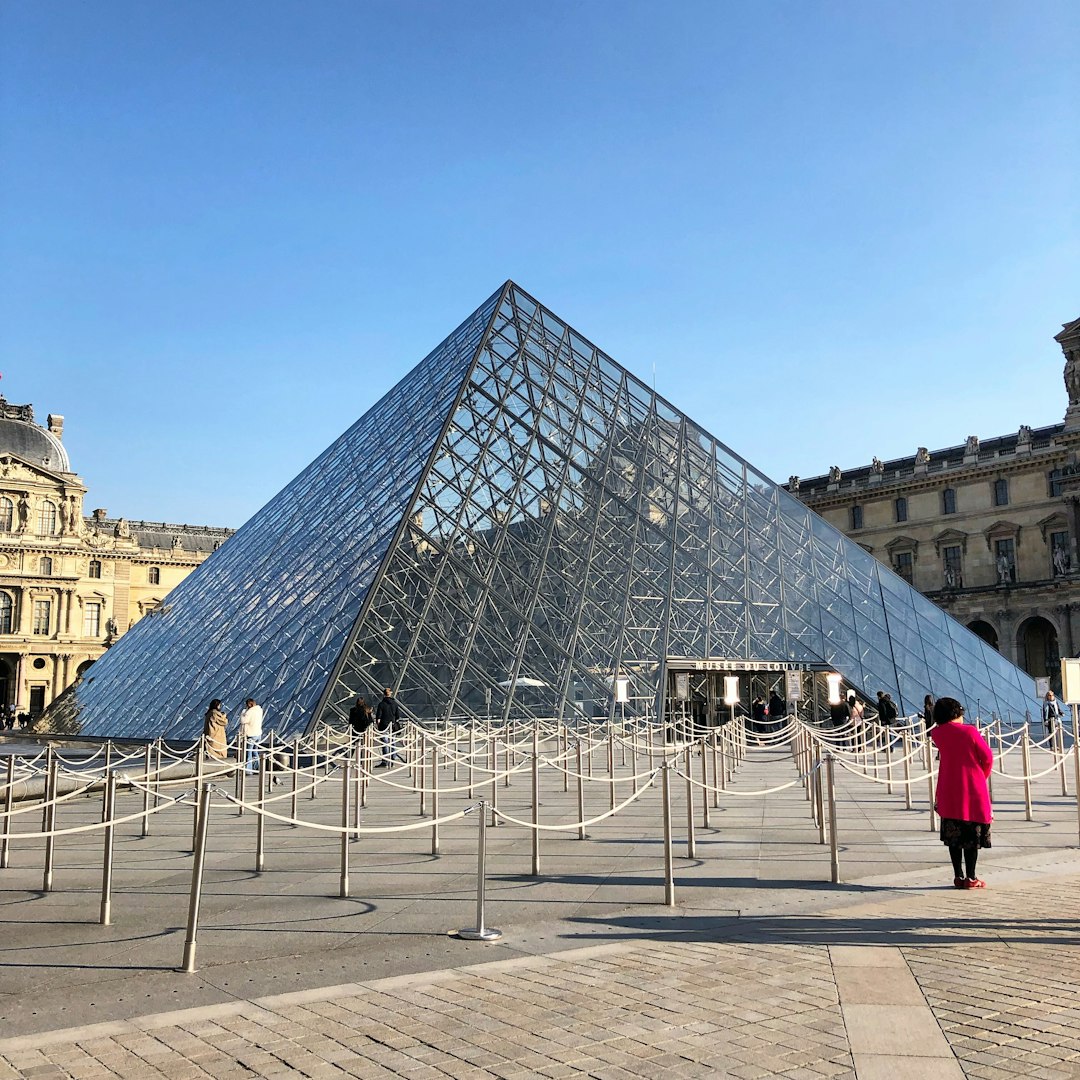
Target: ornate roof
[[19, 435]]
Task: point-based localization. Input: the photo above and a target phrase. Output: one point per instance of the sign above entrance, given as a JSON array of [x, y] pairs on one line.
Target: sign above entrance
[[792, 685], [679, 663]]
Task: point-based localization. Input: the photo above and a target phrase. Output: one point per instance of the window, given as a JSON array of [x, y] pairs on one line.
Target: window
[[901, 509], [948, 501], [153, 575], [856, 517], [92, 620], [954, 575], [1060, 562], [1001, 492], [1057, 486], [42, 617], [47, 519], [45, 565], [7, 613], [1005, 560], [904, 565], [95, 568], [7, 514]]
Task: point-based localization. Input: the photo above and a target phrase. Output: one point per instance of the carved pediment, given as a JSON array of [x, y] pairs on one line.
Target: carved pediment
[[950, 538], [15, 470], [1057, 522], [1001, 530], [903, 543]]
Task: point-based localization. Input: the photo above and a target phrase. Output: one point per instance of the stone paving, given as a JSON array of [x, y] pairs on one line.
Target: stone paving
[[755, 973]]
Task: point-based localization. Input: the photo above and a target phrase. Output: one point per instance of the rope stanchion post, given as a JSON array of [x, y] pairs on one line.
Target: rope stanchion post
[[1058, 743], [691, 845], [260, 825], [343, 882], [1025, 757], [907, 770], [715, 786], [435, 797], [480, 932], [535, 801], [611, 768], [669, 863], [419, 769], [105, 916], [241, 773], [295, 776], [928, 757], [705, 823], [492, 761], [358, 781], [819, 799], [834, 846], [49, 824], [9, 795], [1076, 758], [145, 831], [314, 764], [580, 793], [198, 787], [564, 732], [888, 761], [195, 897]]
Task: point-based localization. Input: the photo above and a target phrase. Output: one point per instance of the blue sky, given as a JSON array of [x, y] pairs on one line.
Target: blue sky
[[836, 229]]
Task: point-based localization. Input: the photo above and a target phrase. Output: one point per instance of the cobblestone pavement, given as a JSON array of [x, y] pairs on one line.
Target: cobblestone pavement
[[924, 983]]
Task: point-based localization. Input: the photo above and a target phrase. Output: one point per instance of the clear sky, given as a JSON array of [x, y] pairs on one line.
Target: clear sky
[[226, 227]]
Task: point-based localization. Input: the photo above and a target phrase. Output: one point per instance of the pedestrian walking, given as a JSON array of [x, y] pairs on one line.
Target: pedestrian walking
[[963, 795], [361, 716], [777, 710], [758, 713], [388, 724], [1051, 712], [886, 708], [251, 726], [928, 711], [214, 724]]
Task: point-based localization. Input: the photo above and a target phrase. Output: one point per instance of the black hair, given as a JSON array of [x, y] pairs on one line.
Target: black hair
[[947, 709]]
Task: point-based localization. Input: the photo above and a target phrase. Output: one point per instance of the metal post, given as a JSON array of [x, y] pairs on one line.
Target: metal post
[[358, 784], [691, 846], [888, 762], [241, 772], [146, 795], [535, 801], [314, 762], [704, 783], [819, 799], [713, 755], [107, 863], [472, 752], [1058, 744], [611, 769], [493, 757], [50, 824], [580, 793], [564, 731], [669, 868], [1025, 757], [198, 787], [9, 797], [907, 770], [928, 757], [435, 797], [834, 850], [260, 825], [1076, 758], [480, 932], [343, 890], [419, 768], [196, 880]]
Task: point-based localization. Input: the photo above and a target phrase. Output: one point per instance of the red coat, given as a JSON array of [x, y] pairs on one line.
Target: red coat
[[966, 760]]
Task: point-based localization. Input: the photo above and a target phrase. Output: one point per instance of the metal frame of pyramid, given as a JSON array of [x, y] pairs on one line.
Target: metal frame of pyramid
[[516, 524]]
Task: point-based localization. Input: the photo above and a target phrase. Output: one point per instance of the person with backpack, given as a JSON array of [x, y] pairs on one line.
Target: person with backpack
[[1051, 712]]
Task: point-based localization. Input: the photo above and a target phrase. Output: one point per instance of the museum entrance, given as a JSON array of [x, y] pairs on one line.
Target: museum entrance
[[701, 694]]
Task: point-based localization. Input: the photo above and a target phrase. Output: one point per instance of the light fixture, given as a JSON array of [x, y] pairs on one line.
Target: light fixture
[[732, 692]]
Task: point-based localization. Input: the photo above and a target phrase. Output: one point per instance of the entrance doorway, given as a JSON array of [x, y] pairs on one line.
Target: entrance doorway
[[1038, 650], [37, 701]]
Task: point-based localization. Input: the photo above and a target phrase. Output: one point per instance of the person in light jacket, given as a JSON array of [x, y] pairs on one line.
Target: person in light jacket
[[214, 724], [963, 795], [251, 727]]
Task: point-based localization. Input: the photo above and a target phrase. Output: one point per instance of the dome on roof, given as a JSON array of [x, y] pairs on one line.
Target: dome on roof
[[19, 435]]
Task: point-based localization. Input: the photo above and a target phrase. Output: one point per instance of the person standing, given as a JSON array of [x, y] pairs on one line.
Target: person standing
[[251, 726], [388, 724], [928, 711], [777, 710], [214, 724], [1051, 712], [963, 795], [361, 716], [757, 717], [886, 708]]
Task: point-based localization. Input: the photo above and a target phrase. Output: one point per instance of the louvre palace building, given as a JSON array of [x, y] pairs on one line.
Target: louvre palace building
[[986, 529], [71, 584]]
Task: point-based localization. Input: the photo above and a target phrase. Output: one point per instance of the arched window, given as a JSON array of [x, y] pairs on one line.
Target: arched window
[[948, 501], [45, 565], [95, 568], [7, 613], [153, 575], [7, 514], [47, 519]]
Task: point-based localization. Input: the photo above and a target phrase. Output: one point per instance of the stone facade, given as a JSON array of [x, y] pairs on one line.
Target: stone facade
[[71, 584], [987, 529]]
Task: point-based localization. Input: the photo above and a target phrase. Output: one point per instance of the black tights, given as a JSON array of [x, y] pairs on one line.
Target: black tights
[[971, 857]]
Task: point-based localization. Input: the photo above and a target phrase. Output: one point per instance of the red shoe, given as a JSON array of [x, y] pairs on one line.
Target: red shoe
[[974, 883], [959, 883]]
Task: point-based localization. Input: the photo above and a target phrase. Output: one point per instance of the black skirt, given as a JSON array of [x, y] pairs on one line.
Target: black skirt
[[964, 833]]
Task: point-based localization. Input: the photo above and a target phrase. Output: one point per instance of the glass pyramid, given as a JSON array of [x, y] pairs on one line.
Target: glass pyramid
[[516, 524]]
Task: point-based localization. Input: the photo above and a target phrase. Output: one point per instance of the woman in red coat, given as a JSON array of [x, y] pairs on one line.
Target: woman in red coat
[[963, 797]]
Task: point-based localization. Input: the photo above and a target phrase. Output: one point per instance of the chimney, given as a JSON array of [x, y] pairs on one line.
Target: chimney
[[101, 515], [56, 425]]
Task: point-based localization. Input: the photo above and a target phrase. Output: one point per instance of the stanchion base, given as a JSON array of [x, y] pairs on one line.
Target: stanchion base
[[486, 933]]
